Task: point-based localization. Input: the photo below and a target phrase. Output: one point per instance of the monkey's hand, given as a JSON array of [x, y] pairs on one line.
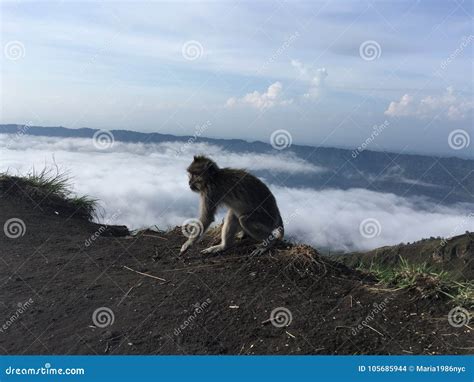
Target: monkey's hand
[[186, 245], [213, 249]]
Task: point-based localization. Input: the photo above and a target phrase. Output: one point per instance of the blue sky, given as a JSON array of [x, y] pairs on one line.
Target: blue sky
[[246, 69]]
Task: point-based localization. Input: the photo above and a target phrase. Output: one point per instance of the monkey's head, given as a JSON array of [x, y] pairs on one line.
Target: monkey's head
[[201, 173]]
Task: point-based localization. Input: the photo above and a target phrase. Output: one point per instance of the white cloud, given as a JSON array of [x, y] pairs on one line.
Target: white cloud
[[395, 174], [403, 108], [331, 218], [447, 105], [272, 97], [316, 79], [298, 65], [146, 184]]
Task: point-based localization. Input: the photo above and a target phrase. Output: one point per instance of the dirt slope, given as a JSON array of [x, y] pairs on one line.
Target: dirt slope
[[212, 305]]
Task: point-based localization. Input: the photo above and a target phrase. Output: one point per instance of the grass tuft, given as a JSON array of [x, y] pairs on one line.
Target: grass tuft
[[49, 187], [423, 278]]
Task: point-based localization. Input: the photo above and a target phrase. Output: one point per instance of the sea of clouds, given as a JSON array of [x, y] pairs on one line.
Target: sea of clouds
[[142, 185]]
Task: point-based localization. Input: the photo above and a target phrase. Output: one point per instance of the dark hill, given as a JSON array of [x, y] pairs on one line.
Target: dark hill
[[71, 280], [455, 255]]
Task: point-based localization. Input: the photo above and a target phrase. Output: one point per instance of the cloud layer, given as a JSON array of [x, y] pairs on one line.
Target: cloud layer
[[448, 105], [145, 184]]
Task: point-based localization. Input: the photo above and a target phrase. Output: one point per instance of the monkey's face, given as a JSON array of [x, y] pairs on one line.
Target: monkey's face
[[201, 172], [196, 183]]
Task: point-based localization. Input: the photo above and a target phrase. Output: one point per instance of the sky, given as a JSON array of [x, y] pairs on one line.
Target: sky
[[326, 72], [156, 192]]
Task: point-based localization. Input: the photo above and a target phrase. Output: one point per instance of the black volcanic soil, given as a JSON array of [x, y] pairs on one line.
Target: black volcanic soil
[[67, 281]]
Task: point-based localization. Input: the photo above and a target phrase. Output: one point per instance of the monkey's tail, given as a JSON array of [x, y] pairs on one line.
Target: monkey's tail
[[279, 231]]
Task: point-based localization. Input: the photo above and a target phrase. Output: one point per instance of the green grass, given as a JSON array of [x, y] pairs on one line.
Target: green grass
[[424, 278], [50, 183], [86, 204]]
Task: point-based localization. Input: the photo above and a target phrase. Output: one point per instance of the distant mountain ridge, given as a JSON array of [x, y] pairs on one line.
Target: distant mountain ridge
[[453, 254], [443, 180]]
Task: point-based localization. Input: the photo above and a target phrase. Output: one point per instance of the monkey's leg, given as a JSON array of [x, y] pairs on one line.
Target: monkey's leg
[[256, 227], [229, 229], [208, 211]]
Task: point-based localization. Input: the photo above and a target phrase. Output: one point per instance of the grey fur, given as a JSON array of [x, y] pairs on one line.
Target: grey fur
[[252, 206]]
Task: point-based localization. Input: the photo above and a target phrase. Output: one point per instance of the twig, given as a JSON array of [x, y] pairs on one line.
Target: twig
[[144, 274], [343, 327], [156, 236], [375, 330], [125, 296], [128, 292], [186, 268]]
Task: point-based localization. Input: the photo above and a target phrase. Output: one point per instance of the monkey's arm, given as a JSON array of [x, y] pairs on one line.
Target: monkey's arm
[[208, 210]]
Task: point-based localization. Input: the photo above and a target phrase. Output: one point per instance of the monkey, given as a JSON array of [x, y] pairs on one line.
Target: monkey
[[252, 208]]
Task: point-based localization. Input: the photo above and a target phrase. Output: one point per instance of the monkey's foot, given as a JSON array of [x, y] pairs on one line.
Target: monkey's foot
[[241, 235], [213, 249], [185, 246], [260, 251]]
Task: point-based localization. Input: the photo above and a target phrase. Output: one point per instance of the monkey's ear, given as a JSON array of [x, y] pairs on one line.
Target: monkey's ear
[[211, 168]]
